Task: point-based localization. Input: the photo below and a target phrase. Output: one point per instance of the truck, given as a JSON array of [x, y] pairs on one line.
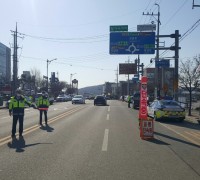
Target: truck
[[136, 100]]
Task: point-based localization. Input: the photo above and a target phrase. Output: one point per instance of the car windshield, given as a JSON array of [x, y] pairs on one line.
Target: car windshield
[[99, 97], [61, 96], [169, 103], [78, 96]]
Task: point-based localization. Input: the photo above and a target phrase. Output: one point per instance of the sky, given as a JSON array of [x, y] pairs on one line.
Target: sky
[[76, 33]]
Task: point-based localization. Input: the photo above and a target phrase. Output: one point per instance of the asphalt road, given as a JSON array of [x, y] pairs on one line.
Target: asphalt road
[[98, 142]]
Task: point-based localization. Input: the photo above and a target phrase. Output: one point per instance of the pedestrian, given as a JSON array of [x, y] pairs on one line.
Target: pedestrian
[[43, 105], [16, 108], [129, 101]]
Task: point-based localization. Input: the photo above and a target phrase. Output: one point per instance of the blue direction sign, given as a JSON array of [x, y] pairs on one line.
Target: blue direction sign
[[162, 63], [132, 42]]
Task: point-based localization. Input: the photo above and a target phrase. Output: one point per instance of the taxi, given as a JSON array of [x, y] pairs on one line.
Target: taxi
[[166, 109]]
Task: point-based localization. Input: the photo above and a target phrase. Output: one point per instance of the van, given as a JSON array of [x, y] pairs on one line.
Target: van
[[136, 100]]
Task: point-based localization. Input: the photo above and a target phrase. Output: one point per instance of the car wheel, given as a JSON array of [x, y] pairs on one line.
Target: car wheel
[[181, 120]]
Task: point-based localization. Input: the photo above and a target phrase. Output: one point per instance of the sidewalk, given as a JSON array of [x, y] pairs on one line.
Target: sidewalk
[[195, 118]]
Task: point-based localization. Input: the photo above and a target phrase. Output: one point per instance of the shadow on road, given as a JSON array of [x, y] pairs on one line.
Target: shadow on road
[[157, 141], [47, 128], [20, 144], [185, 124], [176, 139]]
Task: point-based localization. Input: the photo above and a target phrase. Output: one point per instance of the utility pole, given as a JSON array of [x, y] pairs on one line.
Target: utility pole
[[15, 61], [48, 62], [157, 83], [128, 87], [195, 5], [177, 35], [117, 83], [138, 66]]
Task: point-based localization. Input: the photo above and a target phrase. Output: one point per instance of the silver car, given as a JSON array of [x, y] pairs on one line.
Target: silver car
[[78, 99]]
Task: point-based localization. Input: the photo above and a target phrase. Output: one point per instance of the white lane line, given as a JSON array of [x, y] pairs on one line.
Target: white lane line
[[109, 109], [5, 117], [108, 117], [55, 109], [105, 140]]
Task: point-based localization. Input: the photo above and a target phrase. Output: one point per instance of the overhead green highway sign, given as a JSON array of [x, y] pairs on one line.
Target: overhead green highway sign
[[118, 28]]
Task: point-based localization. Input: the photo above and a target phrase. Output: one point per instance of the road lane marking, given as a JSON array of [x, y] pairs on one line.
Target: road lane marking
[[108, 117], [109, 109], [4, 117], [193, 134], [35, 127], [185, 137], [105, 140]]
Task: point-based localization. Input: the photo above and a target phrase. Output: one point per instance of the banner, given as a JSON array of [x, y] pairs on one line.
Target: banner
[[143, 99], [145, 123]]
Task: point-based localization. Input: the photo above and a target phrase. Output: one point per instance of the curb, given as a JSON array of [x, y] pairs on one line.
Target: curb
[[194, 120]]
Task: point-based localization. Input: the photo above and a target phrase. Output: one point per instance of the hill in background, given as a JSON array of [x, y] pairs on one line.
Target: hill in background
[[91, 90]]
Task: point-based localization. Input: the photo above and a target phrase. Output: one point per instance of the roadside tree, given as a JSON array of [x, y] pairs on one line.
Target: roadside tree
[[189, 76]]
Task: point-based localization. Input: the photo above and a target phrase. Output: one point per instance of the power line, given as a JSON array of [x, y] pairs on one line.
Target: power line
[[70, 64], [174, 14], [187, 33]]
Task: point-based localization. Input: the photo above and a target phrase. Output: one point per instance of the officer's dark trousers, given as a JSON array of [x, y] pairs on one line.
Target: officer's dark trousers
[[21, 121], [45, 115]]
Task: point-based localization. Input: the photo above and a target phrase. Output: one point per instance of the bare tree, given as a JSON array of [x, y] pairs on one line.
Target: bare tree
[[38, 78], [189, 75], [56, 88]]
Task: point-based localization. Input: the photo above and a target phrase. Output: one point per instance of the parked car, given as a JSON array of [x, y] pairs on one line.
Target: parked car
[[166, 109], [1, 101], [78, 99], [62, 98], [100, 100]]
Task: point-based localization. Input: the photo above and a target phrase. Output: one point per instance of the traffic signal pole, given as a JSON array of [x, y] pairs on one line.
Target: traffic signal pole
[[176, 58]]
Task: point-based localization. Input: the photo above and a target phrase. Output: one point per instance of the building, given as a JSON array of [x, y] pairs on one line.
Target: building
[[165, 78], [5, 64]]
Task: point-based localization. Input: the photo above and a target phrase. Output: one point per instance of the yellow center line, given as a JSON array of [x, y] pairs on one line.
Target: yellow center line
[[189, 139], [35, 127], [193, 134]]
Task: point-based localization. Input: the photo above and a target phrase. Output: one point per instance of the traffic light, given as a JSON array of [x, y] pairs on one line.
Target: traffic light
[[53, 77]]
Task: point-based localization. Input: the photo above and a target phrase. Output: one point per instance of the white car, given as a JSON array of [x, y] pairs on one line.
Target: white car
[[78, 99]]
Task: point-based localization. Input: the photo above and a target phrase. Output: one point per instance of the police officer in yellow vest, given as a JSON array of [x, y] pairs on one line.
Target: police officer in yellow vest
[[43, 105], [16, 108], [129, 101]]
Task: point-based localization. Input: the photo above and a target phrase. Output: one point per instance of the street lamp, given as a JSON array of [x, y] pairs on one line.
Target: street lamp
[[71, 75], [48, 62]]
